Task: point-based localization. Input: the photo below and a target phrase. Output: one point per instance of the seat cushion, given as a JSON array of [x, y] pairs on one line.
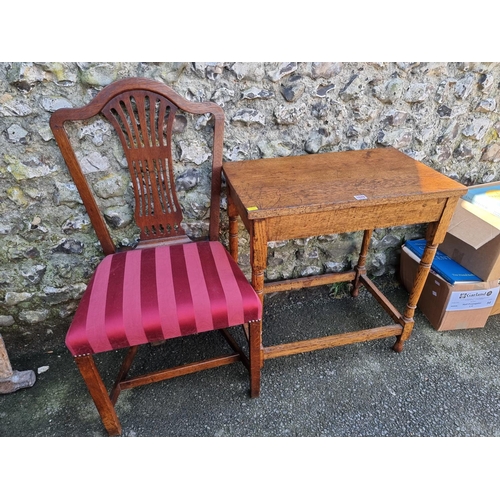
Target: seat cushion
[[151, 294]]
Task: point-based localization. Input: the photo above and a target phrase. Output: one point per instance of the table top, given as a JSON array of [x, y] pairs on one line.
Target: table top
[[319, 182]]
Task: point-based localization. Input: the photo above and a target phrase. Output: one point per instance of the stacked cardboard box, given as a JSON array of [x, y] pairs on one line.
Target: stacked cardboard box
[[450, 306], [473, 241], [473, 237]]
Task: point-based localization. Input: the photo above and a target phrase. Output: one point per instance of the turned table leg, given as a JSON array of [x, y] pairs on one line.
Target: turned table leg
[[418, 285], [436, 232], [258, 256], [361, 266]]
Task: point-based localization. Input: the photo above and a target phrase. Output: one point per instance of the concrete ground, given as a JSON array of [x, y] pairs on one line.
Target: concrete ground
[[442, 384]]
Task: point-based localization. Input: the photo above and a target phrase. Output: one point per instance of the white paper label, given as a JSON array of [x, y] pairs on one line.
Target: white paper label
[[472, 299]]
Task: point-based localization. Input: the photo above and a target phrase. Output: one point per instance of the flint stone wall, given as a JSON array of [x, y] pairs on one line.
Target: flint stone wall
[[444, 114]]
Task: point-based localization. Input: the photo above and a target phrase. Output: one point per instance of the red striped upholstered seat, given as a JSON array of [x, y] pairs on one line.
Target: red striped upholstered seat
[[158, 293]]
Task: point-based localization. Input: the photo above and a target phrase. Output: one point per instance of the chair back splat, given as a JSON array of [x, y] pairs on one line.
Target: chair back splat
[[142, 112], [168, 286]]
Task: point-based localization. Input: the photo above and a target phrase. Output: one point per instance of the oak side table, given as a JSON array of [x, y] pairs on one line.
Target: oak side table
[[329, 193]]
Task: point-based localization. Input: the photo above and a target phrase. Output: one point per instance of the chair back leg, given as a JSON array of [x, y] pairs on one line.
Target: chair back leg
[[97, 389]]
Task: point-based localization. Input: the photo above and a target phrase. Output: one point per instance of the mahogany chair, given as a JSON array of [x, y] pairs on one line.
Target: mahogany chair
[[168, 285]]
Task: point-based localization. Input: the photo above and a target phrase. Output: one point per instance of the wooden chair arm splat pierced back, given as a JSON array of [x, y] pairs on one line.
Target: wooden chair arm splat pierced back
[[168, 286]]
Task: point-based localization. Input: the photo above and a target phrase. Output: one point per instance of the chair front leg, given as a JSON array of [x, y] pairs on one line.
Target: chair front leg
[[256, 357], [97, 390]]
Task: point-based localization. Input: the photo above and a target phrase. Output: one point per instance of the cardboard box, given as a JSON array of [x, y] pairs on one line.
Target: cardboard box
[[473, 237], [450, 307]]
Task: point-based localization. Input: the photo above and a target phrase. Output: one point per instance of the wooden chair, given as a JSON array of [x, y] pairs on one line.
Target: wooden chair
[[168, 285]]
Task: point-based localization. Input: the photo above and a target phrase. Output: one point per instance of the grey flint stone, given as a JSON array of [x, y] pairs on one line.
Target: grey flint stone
[[249, 116], [256, 93], [283, 70]]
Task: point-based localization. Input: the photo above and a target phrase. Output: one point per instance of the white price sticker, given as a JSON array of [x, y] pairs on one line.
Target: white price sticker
[[472, 299]]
